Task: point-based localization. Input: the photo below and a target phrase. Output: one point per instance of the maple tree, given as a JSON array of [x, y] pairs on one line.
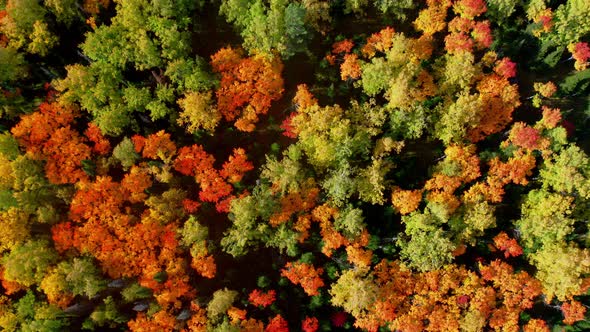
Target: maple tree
[[263, 299], [305, 275], [247, 87]]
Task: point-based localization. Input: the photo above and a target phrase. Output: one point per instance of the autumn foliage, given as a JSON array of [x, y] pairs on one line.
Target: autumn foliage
[[305, 275], [248, 86]]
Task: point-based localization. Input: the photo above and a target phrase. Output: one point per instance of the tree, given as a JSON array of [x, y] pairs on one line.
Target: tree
[[276, 27], [305, 275], [237, 164], [355, 291], [573, 311], [156, 146], [427, 251], [248, 86], [220, 303], [13, 66], [567, 171], [574, 262], [261, 299], [546, 218], [198, 112], [310, 324], [277, 324], [27, 263], [25, 25], [509, 246], [16, 225], [406, 201]]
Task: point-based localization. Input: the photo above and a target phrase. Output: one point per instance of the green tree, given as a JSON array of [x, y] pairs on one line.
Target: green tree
[[198, 112], [573, 264], [355, 291], [13, 66], [221, 301], [279, 27], [25, 25], [31, 315], [125, 153], [28, 263], [65, 11], [546, 218], [567, 171], [82, 277]]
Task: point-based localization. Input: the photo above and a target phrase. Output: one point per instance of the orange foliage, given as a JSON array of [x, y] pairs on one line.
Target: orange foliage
[[160, 321], [536, 325], [439, 300], [580, 53], [277, 324], [359, 256], [47, 135], [251, 325], [102, 145], [310, 324], [509, 246], [461, 24], [260, 298], [190, 206], [331, 237], [156, 146], [546, 89], [433, 18], [458, 42], [293, 203], [344, 46], [247, 87], [422, 48], [213, 187], [204, 265], [63, 236], [525, 137], [381, 41], [573, 311], [515, 170], [93, 7], [193, 160], [482, 34], [470, 8], [236, 315], [350, 68], [9, 287], [303, 98], [551, 117], [406, 201], [499, 99], [136, 181], [36, 128], [198, 321], [65, 152], [305, 275], [441, 187], [234, 168], [505, 68], [106, 229]]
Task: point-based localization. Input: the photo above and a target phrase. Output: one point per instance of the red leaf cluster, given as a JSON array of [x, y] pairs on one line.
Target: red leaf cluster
[[262, 299], [247, 87]]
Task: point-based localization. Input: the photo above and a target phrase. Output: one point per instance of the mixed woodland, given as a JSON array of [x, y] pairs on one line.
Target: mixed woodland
[[303, 165]]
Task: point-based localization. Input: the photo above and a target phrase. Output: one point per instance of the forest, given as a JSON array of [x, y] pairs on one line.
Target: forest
[[294, 165]]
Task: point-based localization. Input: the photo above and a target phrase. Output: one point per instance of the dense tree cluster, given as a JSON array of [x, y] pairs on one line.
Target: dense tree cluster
[[304, 165]]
